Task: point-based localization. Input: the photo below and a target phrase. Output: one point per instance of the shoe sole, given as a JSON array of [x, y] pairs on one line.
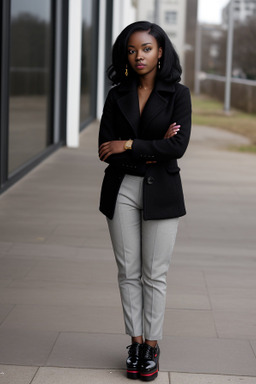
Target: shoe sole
[[149, 376], [134, 375]]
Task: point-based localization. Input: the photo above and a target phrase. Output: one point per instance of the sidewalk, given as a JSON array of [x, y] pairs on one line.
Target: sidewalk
[[59, 300]]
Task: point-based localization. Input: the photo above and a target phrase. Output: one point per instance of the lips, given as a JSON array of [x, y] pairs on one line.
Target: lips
[[140, 66]]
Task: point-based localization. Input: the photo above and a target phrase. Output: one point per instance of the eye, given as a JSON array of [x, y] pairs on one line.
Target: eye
[[130, 51], [147, 49]]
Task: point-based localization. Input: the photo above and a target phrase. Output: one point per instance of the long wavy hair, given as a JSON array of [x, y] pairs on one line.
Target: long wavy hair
[[169, 62]]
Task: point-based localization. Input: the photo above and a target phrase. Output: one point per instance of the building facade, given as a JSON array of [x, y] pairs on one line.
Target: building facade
[[178, 18], [170, 15], [243, 9], [54, 55]]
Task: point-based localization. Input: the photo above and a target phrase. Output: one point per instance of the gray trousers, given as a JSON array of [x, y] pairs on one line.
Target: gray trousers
[[143, 252]]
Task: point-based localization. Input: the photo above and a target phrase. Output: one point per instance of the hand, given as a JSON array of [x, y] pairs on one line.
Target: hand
[[172, 131], [111, 147]]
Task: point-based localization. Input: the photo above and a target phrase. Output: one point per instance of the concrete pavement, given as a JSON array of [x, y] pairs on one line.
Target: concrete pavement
[[60, 312]]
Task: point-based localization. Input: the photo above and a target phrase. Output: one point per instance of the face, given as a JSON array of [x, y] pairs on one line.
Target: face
[[143, 53]]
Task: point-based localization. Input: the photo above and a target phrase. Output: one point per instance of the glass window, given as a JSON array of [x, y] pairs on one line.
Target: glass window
[[89, 62], [171, 17], [30, 80], [150, 15], [172, 35]]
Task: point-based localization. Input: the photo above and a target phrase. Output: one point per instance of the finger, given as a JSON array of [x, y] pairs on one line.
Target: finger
[[172, 126], [176, 127], [104, 147], [101, 149], [106, 156], [171, 132], [103, 156], [103, 152]]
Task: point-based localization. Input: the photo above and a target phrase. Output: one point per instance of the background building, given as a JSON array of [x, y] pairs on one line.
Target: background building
[[212, 47], [170, 15], [243, 9], [54, 55], [178, 18], [214, 42]]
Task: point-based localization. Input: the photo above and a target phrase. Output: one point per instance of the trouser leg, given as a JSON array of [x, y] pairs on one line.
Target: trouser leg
[[158, 238], [125, 232]]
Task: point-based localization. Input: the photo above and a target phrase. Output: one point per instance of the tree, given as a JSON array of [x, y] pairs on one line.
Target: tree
[[244, 51]]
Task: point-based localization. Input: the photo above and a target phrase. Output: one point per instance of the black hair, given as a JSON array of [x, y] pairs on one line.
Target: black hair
[[169, 62]]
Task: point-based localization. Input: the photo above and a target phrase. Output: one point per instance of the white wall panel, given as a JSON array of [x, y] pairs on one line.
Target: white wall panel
[[74, 72]]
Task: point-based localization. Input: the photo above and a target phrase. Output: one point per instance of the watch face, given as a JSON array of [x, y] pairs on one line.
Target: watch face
[[128, 144]]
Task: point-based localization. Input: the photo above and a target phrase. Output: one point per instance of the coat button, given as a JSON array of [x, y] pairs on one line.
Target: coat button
[[150, 180]]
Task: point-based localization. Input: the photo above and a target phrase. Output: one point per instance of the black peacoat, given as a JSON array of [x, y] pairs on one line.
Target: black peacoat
[[121, 120]]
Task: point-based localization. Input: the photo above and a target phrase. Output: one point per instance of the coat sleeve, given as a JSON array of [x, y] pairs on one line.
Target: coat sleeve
[[108, 132], [175, 147]]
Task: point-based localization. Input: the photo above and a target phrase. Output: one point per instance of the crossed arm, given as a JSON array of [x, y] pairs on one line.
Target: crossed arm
[[172, 146], [117, 146]]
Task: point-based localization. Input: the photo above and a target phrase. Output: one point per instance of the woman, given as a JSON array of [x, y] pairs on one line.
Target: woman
[[141, 192]]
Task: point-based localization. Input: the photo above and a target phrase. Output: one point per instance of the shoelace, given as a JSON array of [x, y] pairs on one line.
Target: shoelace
[[133, 349], [148, 352]]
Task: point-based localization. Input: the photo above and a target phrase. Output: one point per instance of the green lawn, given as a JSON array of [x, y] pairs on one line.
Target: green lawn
[[208, 111]]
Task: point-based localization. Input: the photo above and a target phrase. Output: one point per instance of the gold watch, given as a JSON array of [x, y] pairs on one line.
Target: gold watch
[[128, 144]]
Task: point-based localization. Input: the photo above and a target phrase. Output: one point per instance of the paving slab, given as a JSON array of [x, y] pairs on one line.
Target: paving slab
[[64, 319], [74, 271], [253, 344], [26, 347], [189, 323], [185, 378], [12, 268], [50, 293], [4, 246], [79, 376], [205, 355], [16, 374], [235, 324], [56, 252], [89, 350], [5, 309]]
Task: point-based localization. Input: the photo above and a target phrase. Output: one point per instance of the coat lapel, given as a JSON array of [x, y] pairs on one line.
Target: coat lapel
[[129, 105], [157, 101]]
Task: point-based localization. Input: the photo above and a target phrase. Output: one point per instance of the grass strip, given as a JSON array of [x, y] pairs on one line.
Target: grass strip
[[209, 112]]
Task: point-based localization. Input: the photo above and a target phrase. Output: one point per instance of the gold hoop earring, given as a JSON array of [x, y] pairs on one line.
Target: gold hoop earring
[[159, 64], [126, 71]]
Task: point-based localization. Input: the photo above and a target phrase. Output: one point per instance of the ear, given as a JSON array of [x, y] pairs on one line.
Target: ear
[[160, 52]]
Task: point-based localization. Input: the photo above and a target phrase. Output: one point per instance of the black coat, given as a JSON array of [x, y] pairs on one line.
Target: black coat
[[121, 120]]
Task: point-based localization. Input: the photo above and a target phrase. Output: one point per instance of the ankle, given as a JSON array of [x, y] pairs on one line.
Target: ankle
[[137, 339], [152, 343]]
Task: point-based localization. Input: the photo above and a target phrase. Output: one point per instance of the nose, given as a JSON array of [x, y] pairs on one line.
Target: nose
[[139, 56]]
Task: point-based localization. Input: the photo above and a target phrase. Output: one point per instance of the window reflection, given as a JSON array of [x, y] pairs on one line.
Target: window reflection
[[86, 66], [30, 80]]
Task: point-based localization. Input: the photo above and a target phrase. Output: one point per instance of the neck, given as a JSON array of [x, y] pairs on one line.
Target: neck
[[145, 87], [146, 82]]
